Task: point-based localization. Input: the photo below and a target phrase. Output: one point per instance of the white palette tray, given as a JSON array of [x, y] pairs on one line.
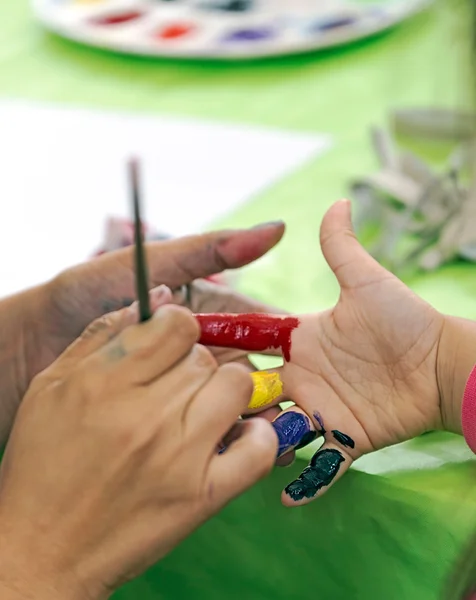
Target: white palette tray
[[221, 29]]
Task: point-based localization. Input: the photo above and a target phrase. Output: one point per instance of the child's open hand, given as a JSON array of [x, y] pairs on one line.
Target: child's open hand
[[363, 375]]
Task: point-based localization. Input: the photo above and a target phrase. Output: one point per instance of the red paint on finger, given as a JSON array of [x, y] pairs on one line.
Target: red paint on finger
[[248, 332]]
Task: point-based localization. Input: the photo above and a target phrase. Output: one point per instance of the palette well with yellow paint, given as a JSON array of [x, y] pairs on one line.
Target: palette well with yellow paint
[[221, 29]]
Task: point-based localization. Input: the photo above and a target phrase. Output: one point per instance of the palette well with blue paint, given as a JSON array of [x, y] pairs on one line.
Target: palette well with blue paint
[[221, 29]]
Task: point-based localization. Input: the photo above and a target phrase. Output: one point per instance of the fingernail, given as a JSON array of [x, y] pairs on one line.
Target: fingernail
[[291, 428], [268, 224], [347, 204], [323, 468], [343, 439], [159, 297], [306, 440], [160, 291]]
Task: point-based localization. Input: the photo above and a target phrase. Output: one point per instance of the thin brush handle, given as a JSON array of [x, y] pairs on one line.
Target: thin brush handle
[[142, 285]]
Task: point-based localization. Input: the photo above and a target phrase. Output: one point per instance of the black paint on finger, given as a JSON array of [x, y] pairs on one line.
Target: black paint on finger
[[309, 437], [322, 469], [343, 439]]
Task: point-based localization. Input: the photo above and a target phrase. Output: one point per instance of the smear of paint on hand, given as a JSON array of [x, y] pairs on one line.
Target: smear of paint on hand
[[117, 18], [323, 468], [343, 439], [320, 420], [291, 428], [267, 387]]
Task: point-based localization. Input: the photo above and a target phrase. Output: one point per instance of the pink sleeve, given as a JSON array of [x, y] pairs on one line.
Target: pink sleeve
[[468, 414]]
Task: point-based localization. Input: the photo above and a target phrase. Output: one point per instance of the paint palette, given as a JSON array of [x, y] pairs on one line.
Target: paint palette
[[221, 29]]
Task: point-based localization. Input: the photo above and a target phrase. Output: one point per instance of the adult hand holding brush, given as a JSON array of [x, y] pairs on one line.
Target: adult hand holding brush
[[113, 456]]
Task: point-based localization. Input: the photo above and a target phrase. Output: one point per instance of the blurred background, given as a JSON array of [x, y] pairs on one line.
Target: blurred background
[[245, 112]]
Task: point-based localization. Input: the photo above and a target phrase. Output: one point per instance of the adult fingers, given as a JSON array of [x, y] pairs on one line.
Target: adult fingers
[[180, 261], [270, 414], [248, 459], [218, 405], [105, 328], [286, 460], [147, 350], [206, 297], [108, 282]]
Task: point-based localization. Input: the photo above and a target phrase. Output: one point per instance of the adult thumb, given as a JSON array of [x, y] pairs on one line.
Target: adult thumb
[[350, 262]]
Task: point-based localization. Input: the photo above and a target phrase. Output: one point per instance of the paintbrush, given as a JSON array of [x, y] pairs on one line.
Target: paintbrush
[[142, 286]]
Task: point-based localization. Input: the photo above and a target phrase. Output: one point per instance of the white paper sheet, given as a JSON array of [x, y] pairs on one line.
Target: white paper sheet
[[63, 172]]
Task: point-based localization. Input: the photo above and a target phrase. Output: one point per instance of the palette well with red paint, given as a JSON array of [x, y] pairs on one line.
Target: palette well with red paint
[[221, 29]]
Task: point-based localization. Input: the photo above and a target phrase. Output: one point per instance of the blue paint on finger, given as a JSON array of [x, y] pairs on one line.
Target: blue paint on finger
[[322, 469], [292, 428], [320, 420]]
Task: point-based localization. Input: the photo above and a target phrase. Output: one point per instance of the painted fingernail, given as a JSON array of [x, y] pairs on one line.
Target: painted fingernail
[[291, 428], [268, 224], [307, 439], [266, 388], [323, 468], [343, 439]]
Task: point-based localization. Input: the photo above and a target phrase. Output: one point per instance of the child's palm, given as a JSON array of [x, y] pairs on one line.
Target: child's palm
[[364, 372]]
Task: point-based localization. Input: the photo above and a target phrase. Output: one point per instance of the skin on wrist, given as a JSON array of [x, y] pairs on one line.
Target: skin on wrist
[[456, 359], [27, 571]]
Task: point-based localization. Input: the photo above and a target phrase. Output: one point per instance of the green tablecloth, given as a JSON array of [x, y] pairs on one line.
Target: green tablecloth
[[392, 527]]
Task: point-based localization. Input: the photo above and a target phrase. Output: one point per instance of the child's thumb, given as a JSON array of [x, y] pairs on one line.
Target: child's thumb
[[349, 261]]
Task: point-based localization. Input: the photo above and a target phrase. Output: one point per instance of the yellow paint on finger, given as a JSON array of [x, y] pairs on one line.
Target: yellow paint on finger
[[267, 387]]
